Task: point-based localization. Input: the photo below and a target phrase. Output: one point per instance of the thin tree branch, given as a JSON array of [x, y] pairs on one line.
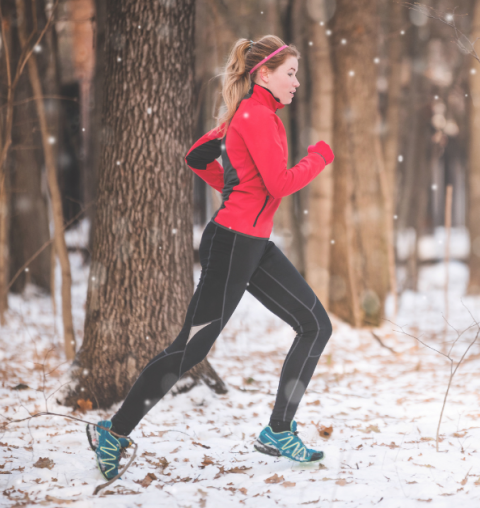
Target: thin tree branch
[[462, 41]]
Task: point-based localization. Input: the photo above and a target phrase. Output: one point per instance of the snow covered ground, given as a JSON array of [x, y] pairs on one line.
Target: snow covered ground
[[195, 449]]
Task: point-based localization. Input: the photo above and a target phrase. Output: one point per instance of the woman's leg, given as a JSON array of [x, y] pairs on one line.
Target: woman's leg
[[228, 261], [279, 286]]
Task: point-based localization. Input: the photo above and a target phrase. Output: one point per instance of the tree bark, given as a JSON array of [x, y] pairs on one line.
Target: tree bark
[[473, 200], [320, 191], [359, 261], [140, 281]]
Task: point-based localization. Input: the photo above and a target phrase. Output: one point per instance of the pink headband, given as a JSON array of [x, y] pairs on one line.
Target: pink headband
[[268, 57]]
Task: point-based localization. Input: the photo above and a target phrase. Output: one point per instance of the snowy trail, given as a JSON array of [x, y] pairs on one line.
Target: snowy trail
[[383, 409]]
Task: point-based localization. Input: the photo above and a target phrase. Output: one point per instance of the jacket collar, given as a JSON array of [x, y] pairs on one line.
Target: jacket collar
[[265, 97]]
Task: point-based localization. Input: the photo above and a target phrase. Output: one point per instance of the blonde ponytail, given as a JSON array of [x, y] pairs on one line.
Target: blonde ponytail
[[237, 78]]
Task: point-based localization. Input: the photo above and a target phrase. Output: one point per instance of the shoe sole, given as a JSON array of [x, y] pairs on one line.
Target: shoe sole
[[275, 452], [91, 438], [266, 449]]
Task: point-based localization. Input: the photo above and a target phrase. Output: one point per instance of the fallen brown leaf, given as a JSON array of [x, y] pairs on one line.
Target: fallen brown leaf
[[237, 469], [325, 432], [207, 461], [8, 445], [370, 428], [84, 405], [221, 470], [147, 480], [275, 479], [44, 462], [288, 484]]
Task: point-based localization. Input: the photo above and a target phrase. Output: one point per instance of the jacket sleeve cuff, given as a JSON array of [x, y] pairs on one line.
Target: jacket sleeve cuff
[[321, 157]]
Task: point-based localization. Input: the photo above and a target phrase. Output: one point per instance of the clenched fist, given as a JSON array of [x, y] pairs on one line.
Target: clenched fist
[[324, 150]]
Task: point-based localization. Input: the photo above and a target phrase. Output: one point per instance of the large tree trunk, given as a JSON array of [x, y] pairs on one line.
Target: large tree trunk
[[474, 169], [320, 191], [359, 263], [141, 280]]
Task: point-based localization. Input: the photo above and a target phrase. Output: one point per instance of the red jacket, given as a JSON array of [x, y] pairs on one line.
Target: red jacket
[[253, 176]]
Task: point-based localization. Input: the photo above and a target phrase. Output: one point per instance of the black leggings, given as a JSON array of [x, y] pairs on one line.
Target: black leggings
[[232, 263]]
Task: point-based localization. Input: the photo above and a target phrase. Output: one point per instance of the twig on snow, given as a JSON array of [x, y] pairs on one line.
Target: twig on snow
[[453, 367], [376, 337], [49, 413]]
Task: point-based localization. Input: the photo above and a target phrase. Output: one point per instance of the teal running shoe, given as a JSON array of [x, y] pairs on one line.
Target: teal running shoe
[[108, 448], [286, 444]]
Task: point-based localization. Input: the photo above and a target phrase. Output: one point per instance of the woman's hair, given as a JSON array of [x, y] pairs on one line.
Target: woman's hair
[[241, 60]]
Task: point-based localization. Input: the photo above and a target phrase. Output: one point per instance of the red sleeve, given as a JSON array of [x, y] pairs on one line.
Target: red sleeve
[[201, 158], [261, 135]]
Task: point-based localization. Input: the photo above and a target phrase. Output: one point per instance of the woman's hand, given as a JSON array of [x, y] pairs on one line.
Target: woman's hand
[[324, 150]]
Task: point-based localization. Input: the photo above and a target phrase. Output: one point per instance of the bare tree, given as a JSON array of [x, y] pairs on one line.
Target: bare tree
[[318, 222], [50, 163], [28, 41], [140, 280], [474, 168], [467, 46], [359, 262], [29, 218]]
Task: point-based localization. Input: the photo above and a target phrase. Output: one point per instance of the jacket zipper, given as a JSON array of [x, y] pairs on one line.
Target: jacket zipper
[[264, 205]]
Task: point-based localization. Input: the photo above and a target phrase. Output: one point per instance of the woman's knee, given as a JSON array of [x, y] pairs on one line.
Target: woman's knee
[[318, 321], [317, 329]]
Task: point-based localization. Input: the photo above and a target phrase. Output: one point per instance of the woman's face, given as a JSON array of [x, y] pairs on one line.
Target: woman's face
[[282, 82]]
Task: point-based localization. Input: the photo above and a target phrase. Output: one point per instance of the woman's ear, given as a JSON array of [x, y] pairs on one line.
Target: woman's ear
[[264, 74]]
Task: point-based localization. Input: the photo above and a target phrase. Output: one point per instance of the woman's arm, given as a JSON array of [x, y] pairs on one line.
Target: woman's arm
[[262, 138], [201, 159]]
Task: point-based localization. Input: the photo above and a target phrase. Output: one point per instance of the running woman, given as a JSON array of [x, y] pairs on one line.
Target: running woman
[[236, 254]]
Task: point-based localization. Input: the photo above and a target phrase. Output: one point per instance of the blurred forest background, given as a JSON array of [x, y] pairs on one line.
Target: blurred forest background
[[100, 101]]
